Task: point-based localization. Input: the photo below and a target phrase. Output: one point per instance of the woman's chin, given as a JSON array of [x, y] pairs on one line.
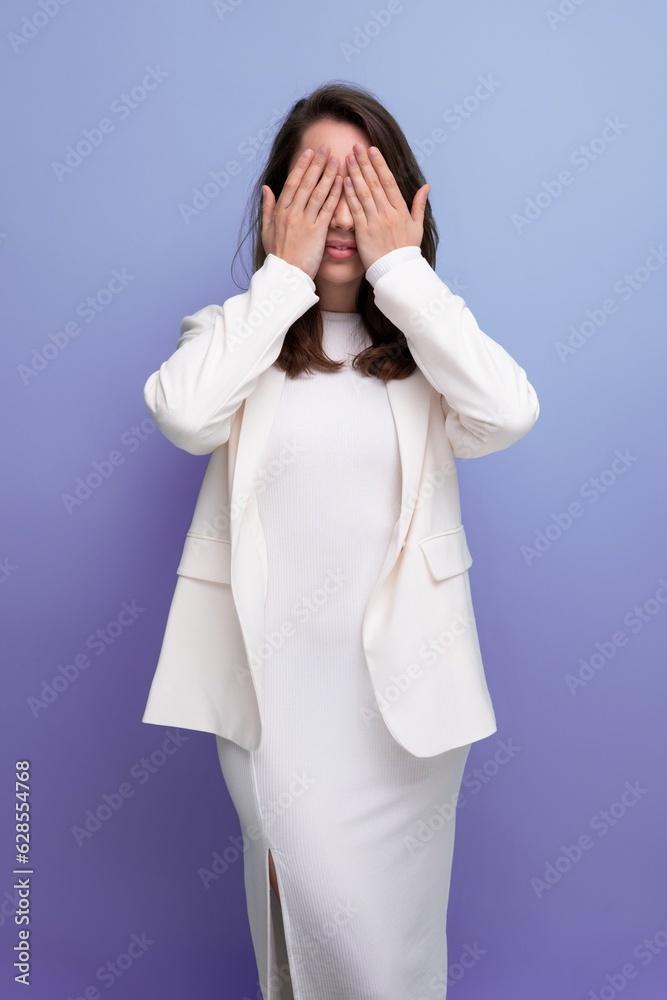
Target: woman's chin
[[339, 271]]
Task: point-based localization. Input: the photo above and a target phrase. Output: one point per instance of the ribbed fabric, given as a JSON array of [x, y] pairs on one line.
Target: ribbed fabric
[[339, 802], [388, 260]]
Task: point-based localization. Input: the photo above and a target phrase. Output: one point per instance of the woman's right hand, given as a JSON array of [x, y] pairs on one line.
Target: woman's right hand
[[296, 226]]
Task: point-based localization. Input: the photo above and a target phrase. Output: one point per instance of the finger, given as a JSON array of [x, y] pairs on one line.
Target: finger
[[419, 203], [333, 197], [310, 178], [387, 179], [353, 201], [360, 187], [373, 182], [294, 178], [268, 202], [268, 207], [322, 190]]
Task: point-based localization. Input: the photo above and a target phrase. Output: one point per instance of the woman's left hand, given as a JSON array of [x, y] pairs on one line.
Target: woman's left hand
[[382, 219]]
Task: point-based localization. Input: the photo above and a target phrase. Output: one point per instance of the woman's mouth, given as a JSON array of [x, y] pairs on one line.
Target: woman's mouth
[[339, 251]]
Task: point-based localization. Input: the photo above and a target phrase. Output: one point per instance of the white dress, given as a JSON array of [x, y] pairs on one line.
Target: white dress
[[361, 831]]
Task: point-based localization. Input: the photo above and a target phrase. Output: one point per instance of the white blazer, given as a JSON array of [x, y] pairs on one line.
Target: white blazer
[[217, 395]]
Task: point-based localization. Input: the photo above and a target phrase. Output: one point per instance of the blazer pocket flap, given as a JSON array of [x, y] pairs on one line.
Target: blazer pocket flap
[[206, 557], [447, 553]]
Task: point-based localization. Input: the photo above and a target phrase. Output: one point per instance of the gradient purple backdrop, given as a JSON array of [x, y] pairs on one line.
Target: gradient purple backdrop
[[567, 271]]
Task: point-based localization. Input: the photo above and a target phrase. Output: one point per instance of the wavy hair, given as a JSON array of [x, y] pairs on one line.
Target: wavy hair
[[388, 356]]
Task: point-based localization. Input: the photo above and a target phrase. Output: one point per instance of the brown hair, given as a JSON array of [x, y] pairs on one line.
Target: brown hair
[[388, 356]]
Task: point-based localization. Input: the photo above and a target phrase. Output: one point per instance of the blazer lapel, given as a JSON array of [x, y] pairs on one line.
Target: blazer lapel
[[409, 399]]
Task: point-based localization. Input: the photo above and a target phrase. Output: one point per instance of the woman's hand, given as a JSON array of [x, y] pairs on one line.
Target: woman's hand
[[295, 227], [382, 219]]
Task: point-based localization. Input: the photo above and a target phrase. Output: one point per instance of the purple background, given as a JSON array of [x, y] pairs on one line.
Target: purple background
[[67, 572]]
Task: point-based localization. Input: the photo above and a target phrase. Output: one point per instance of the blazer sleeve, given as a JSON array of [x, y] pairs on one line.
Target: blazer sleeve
[[485, 395], [220, 354]]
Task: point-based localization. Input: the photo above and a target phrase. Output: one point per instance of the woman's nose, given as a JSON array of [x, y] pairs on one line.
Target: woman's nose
[[342, 217]]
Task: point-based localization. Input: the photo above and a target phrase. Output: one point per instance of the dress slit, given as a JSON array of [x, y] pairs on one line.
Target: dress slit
[[279, 966]]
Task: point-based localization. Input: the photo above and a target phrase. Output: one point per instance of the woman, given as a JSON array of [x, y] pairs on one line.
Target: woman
[[334, 770]]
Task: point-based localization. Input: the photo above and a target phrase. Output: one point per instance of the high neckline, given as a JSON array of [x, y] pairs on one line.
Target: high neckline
[[340, 317]]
